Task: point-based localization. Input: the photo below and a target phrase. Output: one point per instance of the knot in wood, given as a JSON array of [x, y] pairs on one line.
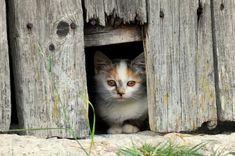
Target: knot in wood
[[221, 6], [161, 14], [29, 26], [51, 47], [62, 28]]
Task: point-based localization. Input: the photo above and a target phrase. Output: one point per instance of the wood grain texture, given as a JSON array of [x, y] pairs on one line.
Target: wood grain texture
[[97, 36], [5, 101], [48, 56], [127, 10], [224, 39], [179, 58]]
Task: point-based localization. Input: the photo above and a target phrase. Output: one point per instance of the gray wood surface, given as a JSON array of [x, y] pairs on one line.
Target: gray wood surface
[[127, 10], [224, 46], [5, 101], [49, 71], [97, 36], [179, 57]]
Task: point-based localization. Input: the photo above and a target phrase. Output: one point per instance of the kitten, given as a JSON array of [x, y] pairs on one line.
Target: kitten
[[121, 92]]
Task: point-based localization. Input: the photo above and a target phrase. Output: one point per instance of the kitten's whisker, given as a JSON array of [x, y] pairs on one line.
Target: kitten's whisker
[[107, 97], [135, 98]]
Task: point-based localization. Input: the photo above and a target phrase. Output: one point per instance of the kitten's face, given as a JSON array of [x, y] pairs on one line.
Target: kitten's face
[[120, 80]]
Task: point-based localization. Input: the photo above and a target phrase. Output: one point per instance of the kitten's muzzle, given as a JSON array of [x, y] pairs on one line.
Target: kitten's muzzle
[[120, 91]]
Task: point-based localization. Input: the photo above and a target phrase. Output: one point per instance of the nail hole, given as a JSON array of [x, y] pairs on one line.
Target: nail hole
[[199, 11], [29, 26], [51, 47], [161, 14], [221, 6], [73, 25]]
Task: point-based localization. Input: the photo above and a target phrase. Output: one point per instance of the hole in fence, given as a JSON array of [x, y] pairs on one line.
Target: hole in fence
[[221, 6], [223, 127], [121, 51], [199, 11], [14, 122], [14, 118]]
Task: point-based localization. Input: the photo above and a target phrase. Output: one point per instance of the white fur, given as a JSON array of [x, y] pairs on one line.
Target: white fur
[[122, 71], [127, 128], [115, 129], [114, 112]]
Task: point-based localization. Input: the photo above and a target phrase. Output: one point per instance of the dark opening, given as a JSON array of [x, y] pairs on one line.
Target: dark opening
[[223, 127], [124, 50], [14, 118]]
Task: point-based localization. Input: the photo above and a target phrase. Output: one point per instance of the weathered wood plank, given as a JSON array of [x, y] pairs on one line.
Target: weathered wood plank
[[5, 101], [128, 10], [180, 69], [97, 36], [48, 57], [224, 38]]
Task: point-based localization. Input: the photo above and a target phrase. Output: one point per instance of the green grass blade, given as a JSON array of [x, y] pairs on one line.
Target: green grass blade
[[166, 149]]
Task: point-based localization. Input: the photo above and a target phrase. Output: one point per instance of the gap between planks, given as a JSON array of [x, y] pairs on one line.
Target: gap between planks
[[99, 36]]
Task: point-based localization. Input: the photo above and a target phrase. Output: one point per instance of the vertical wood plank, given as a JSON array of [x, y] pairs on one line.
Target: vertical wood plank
[[224, 38], [128, 10], [179, 58], [5, 101], [49, 69]]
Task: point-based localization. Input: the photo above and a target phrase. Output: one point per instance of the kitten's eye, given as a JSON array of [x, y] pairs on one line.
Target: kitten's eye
[[131, 83], [111, 83]]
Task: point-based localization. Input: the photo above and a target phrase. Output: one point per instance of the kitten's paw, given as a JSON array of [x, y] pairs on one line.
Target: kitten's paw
[[127, 128], [115, 130]]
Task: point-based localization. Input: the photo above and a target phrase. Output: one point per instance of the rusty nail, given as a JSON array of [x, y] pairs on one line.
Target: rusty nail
[[73, 25], [52, 47], [29, 26]]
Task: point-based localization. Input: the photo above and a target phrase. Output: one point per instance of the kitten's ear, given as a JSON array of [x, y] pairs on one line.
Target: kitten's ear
[[139, 63], [100, 61]]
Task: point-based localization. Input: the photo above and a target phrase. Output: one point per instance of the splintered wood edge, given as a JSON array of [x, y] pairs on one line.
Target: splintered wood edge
[[99, 36]]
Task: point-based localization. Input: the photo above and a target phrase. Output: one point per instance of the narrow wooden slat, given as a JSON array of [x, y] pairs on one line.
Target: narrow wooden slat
[[224, 38], [5, 101], [97, 36], [48, 57], [179, 58], [127, 10]]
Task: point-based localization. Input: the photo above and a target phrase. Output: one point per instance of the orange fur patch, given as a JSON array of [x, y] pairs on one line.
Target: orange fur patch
[[113, 72], [133, 75]]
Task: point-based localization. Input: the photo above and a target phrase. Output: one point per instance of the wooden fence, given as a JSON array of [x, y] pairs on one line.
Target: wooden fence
[[189, 49]]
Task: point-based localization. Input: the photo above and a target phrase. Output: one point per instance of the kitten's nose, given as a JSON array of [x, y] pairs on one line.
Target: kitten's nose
[[119, 93]]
